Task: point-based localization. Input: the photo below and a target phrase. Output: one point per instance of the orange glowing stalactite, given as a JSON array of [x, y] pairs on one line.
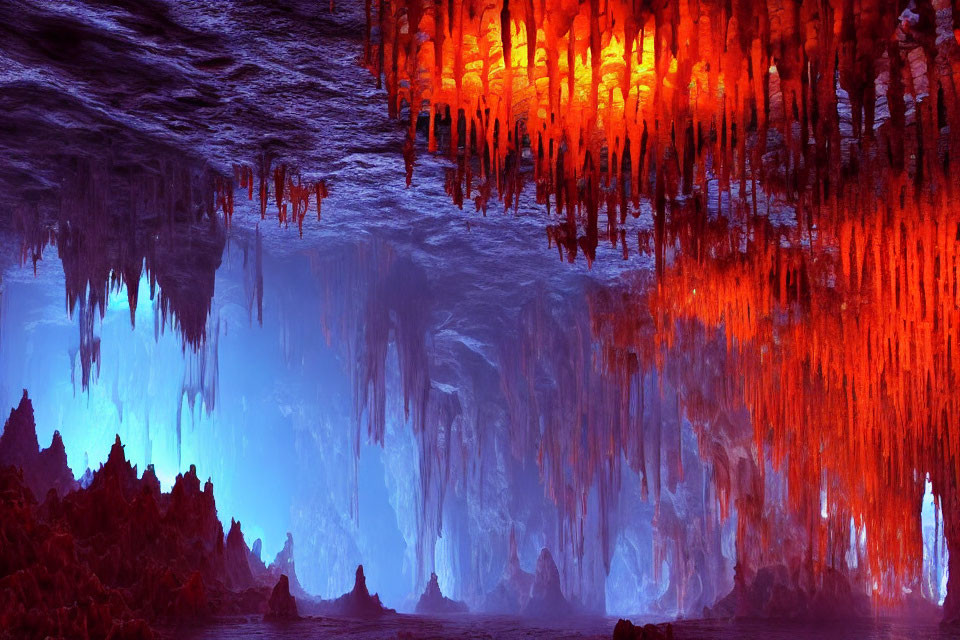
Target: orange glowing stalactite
[[613, 100], [842, 346]]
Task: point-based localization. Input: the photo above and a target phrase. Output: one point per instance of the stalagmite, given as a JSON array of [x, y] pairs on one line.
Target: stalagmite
[[432, 601], [357, 603], [282, 605], [118, 555]]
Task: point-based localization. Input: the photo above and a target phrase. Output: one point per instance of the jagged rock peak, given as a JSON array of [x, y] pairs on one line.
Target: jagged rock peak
[[282, 605], [43, 470], [432, 601], [546, 595]]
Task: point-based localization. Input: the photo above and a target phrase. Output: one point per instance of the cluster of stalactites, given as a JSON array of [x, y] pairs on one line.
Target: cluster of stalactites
[[619, 100], [841, 343], [588, 429], [580, 427], [111, 227], [378, 305], [291, 194]]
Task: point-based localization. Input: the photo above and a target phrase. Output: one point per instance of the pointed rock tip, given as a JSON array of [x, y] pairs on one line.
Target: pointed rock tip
[[361, 580], [116, 451]]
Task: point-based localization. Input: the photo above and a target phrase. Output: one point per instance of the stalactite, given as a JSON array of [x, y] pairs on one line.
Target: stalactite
[[841, 345], [611, 98], [843, 324], [113, 226]]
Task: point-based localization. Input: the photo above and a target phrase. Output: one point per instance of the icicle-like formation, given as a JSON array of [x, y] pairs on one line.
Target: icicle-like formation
[[292, 196], [378, 302], [619, 100], [842, 327], [112, 225], [841, 342], [554, 412]]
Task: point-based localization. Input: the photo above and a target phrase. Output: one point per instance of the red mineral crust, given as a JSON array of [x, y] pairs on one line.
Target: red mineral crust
[[119, 556]]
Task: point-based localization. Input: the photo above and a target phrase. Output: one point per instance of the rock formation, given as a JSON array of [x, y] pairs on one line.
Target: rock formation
[[513, 591], [626, 630], [42, 470], [237, 558], [117, 556], [773, 592], [433, 602], [357, 603], [282, 605], [283, 564], [546, 596]]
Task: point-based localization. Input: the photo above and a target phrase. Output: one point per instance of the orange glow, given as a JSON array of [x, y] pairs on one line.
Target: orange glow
[[614, 101], [841, 343], [840, 330]]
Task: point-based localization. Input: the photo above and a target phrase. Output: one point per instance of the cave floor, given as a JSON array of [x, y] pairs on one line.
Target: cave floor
[[412, 627]]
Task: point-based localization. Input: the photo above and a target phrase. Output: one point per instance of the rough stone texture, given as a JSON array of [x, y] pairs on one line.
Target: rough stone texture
[[42, 470], [432, 601], [282, 605], [111, 559], [546, 595], [357, 603]]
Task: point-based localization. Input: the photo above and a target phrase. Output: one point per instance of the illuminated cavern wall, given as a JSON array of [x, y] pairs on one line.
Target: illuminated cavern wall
[[524, 425], [799, 118], [406, 390], [275, 425]]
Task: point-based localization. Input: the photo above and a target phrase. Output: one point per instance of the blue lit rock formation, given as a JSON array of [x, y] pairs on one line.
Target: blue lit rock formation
[[433, 602], [357, 603], [513, 591], [546, 595]]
